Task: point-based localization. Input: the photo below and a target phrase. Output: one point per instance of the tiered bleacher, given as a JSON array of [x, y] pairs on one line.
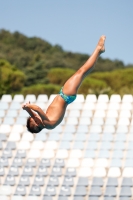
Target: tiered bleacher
[[89, 156]]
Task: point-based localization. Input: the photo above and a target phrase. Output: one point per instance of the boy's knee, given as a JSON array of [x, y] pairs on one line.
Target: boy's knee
[[80, 72]]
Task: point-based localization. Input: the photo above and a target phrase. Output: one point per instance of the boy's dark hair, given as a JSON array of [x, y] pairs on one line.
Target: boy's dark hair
[[31, 128]]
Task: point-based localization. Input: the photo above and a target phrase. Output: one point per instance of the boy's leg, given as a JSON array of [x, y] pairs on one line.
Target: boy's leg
[[72, 84]]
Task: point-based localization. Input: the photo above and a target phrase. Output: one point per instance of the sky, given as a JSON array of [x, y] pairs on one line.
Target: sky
[[75, 25]]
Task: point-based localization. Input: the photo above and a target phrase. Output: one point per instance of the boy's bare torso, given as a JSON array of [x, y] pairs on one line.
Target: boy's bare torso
[[56, 111]]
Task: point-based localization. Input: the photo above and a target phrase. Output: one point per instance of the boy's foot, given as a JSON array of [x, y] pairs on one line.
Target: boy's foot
[[100, 44]]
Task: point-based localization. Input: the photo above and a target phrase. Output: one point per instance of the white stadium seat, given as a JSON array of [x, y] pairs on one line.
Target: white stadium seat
[[80, 98], [31, 98], [62, 154], [128, 172], [85, 172], [18, 98], [103, 98], [99, 172], [91, 98], [73, 162], [127, 98], [114, 172], [115, 98], [6, 98], [42, 98], [48, 154], [92, 146]]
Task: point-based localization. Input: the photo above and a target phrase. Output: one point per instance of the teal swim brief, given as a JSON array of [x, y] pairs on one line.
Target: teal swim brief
[[67, 99]]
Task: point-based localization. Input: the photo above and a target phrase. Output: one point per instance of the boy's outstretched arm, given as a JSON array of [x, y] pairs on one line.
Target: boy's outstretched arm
[[29, 107], [31, 113]]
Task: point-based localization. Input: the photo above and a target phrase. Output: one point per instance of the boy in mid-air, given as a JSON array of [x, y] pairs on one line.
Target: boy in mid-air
[[56, 110]]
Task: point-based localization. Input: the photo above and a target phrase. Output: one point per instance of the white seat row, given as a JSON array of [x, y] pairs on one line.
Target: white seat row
[[84, 120], [71, 128], [80, 98]]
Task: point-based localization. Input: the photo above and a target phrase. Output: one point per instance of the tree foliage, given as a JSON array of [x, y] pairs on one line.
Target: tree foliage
[[41, 89], [33, 65], [11, 79], [59, 76]]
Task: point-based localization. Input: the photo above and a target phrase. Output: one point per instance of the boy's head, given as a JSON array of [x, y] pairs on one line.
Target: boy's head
[[33, 126]]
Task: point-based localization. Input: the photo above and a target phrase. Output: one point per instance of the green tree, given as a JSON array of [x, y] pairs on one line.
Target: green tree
[[59, 76], [41, 89], [11, 79]]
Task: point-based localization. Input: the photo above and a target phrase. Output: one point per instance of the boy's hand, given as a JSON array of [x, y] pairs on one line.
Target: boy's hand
[[26, 106]]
